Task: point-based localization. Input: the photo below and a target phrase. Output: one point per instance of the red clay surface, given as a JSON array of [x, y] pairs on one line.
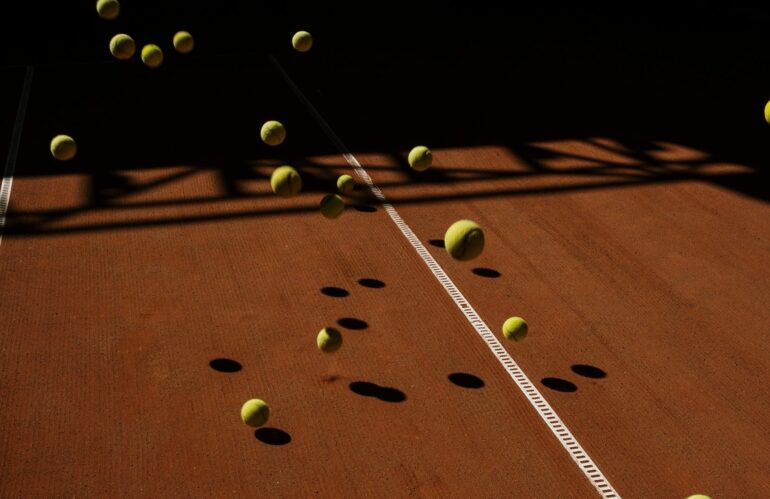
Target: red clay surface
[[111, 328], [125, 273], [661, 286]]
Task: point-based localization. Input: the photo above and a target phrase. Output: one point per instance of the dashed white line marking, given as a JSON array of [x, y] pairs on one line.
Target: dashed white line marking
[[13, 149], [547, 414]]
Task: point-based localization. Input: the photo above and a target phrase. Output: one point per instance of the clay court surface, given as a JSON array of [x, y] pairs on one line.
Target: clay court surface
[[154, 283]]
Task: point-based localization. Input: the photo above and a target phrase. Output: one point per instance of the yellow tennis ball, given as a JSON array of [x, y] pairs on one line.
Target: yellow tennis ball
[[698, 496], [273, 133], [420, 158], [122, 46], [464, 240], [183, 42], [345, 183], [302, 41], [152, 55], [329, 340], [255, 412], [63, 147], [108, 9], [515, 328], [767, 112], [332, 206], [286, 181]]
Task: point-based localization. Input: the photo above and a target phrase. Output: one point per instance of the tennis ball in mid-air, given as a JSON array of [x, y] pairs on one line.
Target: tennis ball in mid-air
[[420, 158], [329, 340], [464, 240], [302, 41], [122, 46], [332, 206], [273, 133], [286, 181], [515, 328], [767, 112], [255, 412], [152, 55], [108, 9], [183, 42], [63, 147], [345, 183]]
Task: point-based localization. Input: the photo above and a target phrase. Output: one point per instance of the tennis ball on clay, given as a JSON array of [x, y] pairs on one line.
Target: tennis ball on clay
[[302, 41], [698, 496], [286, 181], [183, 42], [332, 206], [273, 133], [255, 412], [420, 158], [767, 112], [329, 340], [464, 240], [122, 46], [515, 328], [63, 147], [345, 183], [108, 9], [152, 55]]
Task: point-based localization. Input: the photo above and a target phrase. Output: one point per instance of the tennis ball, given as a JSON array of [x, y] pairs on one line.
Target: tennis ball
[[464, 240], [63, 147], [302, 41], [286, 181], [420, 158], [329, 340], [273, 133], [255, 412], [332, 206], [515, 328], [345, 183], [122, 46], [108, 9], [767, 112], [698, 496], [152, 55], [183, 42]]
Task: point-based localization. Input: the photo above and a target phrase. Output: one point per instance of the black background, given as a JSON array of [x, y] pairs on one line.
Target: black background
[[388, 75]]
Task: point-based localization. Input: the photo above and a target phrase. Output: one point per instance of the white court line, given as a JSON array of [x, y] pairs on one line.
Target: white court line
[[13, 149], [543, 408]]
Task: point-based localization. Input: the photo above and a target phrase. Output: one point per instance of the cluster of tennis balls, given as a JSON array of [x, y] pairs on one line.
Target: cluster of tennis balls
[[285, 181], [123, 47]]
